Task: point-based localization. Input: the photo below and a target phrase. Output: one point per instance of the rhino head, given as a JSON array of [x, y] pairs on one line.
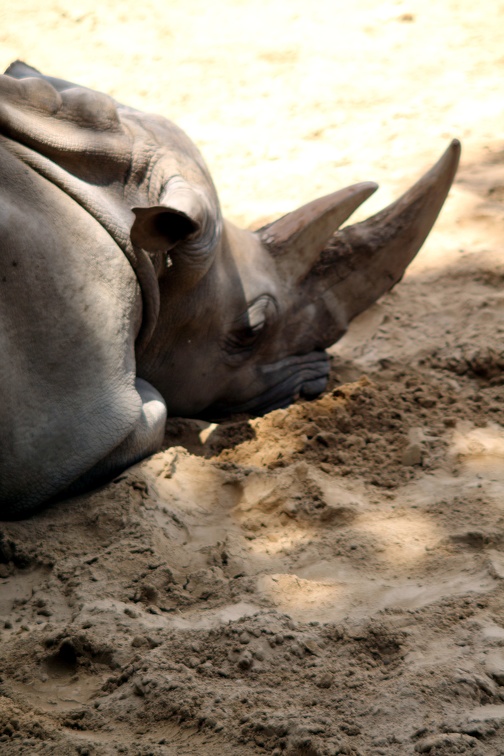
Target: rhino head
[[245, 316]]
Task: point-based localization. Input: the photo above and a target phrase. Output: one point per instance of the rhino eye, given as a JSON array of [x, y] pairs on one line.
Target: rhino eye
[[245, 338], [245, 335]]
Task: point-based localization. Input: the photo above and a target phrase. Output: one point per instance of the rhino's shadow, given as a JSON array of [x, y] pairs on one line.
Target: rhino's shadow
[[204, 439]]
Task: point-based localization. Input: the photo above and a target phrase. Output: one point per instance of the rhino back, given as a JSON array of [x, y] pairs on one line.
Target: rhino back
[[70, 309]]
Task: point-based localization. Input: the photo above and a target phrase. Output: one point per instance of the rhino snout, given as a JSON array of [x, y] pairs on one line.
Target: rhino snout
[[279, 384]]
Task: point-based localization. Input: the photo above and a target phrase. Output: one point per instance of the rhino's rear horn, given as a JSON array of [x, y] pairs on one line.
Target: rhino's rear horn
[[297, 239], [365, 260]]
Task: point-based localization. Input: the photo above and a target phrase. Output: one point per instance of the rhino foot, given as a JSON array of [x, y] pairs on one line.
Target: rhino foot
[[145, 439]]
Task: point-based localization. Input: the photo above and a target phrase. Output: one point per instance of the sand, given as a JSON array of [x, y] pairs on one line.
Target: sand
[[328, 579]]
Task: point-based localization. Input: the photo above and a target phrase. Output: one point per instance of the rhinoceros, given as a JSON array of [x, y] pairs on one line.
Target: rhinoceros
[[125, 294]]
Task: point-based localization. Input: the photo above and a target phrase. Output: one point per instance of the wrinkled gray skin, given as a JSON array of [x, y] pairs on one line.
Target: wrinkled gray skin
[[124, 294]]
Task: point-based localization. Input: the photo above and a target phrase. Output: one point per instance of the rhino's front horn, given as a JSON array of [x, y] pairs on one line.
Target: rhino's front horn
[[365, 260], [297, 239]]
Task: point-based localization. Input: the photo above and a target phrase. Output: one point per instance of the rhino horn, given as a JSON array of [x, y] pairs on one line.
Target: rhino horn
[[297, 239], [365, 260]]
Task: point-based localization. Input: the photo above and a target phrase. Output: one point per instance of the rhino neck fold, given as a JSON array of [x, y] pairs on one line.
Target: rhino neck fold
[[106, 205]]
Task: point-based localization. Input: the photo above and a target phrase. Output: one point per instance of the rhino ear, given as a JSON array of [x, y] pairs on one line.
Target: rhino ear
[[181, 214], [159, 229]]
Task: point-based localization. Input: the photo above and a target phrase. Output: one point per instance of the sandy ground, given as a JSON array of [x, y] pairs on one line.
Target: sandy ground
[[328, 579]]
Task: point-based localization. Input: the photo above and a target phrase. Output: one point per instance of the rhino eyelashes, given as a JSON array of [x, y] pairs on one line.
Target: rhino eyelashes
[[251, 326], [243, 340]]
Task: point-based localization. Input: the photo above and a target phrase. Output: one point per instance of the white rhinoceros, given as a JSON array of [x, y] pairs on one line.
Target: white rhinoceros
[[124, 294]]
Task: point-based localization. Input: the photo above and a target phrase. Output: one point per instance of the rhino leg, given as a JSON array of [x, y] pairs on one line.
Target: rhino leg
[[145, 438], [70, 309]]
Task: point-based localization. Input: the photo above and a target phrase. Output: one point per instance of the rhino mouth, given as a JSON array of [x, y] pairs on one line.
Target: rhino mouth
[[303, 377]]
